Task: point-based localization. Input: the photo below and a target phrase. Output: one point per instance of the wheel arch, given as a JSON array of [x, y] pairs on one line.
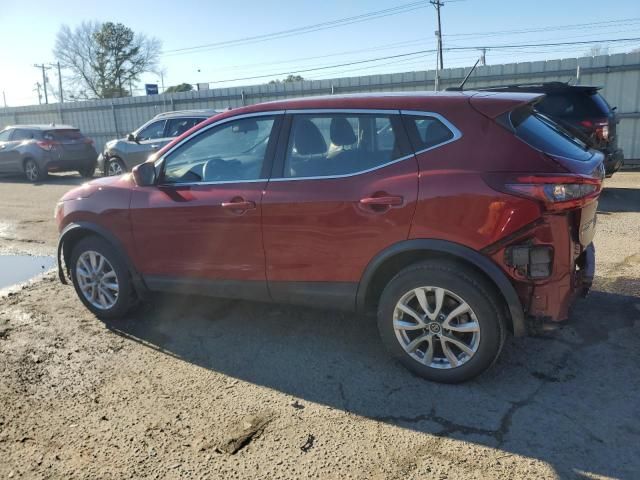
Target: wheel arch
[[76, 231], [390, 261]]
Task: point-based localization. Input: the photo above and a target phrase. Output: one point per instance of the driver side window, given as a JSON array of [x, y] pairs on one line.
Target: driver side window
[[152, 131], [232, 152]]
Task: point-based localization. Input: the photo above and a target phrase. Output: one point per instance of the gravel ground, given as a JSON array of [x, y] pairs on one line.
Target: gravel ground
[[201, 388]]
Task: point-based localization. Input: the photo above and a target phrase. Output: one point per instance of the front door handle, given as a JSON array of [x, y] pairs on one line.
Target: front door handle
[[239, 205], [155, 147], [383, 201]]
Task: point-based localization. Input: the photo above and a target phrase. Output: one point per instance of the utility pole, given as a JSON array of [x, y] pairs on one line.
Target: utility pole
[[57, 64], [483, 57], [44, 80], [4, 99], [439, 63], [39, 94]]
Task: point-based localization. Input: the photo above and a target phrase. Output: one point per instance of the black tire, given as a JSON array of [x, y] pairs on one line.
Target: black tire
[[87, 172], [125, 299], [33, 172], [471, 287], [114, 162]]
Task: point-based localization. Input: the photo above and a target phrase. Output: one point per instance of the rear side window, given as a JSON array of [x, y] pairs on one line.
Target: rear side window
[[543, 134], [21, 134], [427, 131], [177, 126], [334, 144]]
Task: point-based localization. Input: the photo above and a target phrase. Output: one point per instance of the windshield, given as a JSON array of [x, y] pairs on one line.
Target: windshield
[[542, 133]]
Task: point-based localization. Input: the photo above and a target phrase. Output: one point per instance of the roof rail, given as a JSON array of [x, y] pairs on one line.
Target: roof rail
[[207, 111]]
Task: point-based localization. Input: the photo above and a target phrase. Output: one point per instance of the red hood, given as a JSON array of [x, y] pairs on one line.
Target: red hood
[[87, 189]]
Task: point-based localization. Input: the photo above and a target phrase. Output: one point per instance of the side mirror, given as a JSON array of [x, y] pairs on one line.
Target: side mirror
[[132, 138], [144, 174]]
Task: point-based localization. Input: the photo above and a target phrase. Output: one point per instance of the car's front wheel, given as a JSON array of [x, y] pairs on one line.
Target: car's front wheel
[[442, 321], [101, 278], [115, 167]]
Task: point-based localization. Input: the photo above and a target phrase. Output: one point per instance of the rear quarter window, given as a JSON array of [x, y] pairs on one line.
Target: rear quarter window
[[541, 133], [426, 131]]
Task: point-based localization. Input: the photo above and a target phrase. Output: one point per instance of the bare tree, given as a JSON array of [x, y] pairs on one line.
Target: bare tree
[[102, 59]]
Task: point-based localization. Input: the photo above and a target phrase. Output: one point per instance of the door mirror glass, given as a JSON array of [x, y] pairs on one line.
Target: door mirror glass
[[144, 174]]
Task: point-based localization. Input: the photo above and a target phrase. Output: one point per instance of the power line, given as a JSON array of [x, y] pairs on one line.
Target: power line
[[407, 7], [488, 47]]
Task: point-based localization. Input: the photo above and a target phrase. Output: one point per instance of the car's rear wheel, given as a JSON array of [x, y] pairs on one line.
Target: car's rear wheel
[[115, 166], [87, 172], [32, 171], [101, 278], [442, 321]]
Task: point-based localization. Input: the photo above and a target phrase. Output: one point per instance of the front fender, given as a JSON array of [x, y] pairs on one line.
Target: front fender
[[76, 230]]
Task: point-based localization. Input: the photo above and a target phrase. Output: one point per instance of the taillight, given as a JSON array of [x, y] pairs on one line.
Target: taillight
[[555, 192], [46, 144], [600, 128]]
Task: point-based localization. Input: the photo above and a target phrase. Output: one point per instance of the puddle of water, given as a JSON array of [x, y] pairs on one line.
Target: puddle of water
[[16, 269]]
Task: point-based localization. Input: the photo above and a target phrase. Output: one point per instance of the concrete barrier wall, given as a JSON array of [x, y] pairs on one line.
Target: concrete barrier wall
[[103, 120]]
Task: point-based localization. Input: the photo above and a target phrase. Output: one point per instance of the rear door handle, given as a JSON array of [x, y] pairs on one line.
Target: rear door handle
[[385, 201], [239, 205]]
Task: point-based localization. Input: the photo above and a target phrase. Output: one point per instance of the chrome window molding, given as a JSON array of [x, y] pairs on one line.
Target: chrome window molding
[[220, 182], [345, 175], [457, 134]]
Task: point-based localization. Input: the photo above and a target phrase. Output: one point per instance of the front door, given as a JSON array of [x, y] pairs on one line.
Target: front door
[[9, 155], [347, 190], [200, 228], [147, 141]]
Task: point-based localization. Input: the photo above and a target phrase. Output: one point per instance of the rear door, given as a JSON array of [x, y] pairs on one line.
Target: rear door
[[344, 188]]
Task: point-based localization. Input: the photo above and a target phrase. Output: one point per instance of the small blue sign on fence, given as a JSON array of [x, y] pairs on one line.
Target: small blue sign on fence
[[151, 88]]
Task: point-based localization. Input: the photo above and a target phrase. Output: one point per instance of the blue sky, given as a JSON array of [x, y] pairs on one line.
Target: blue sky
[[27, 35]]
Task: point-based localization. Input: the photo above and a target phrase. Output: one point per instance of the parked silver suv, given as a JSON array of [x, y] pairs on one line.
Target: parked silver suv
[[122, 155]]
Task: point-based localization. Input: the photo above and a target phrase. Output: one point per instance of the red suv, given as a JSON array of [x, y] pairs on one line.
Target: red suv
[[457, 217]]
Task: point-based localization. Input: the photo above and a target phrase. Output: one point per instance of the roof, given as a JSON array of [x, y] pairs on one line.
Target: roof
[[51, 126], [188, 113], [422, 101]]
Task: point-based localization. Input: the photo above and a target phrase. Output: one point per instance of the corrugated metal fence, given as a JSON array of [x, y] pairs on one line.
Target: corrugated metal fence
[[106, 119]]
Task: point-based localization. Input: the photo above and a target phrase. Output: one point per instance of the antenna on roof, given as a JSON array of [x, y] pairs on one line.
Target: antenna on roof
[[460, 87]]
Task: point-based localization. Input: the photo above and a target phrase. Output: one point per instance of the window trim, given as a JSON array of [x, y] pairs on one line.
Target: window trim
[[159, 163], [457, 134]]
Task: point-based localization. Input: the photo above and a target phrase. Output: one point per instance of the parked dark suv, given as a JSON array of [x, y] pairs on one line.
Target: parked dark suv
[[582, 109], [121, 155], [457, 217], [36, 150]]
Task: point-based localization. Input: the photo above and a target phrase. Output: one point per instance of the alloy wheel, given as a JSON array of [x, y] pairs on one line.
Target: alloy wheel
[[115, 168], [31, 171], [97, 280], [436, 327]]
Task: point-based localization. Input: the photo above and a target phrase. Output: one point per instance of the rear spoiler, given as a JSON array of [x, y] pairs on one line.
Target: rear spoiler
[[494, 104]]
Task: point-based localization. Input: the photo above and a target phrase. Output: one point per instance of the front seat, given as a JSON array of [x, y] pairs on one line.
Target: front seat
[[310, 150], [342, 135]]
